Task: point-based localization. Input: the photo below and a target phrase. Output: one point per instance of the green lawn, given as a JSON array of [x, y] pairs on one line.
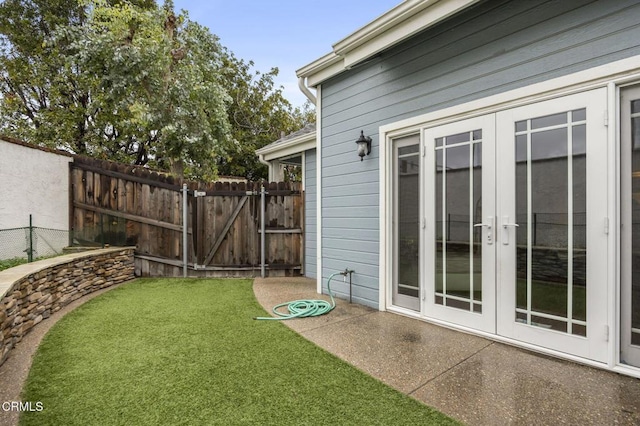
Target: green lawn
[[172, 351]]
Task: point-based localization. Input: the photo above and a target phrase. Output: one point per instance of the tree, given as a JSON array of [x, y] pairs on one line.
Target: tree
[[133, 82], [44, 100], [258, 114]]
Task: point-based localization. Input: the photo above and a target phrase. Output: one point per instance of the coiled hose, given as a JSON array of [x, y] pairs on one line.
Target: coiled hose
[[305, 308]]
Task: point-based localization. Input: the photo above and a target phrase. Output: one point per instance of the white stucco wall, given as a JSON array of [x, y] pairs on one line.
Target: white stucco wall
[[33, 182]]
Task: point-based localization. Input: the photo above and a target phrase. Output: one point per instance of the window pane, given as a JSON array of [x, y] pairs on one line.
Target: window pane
[[521, 126], [549, 144], [459, 138], [439, 223], [408, 224], [408, 150], [579, 115], [549, 120], [635, 225], [458, 221], [579, 139]]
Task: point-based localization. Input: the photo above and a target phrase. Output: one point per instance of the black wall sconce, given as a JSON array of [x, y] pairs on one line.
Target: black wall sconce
[[364, 145]]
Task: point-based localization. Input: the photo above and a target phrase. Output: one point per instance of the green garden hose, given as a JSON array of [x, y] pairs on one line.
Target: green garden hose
[[305, 308]]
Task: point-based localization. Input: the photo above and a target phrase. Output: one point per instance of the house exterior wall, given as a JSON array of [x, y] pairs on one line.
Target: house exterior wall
[[34, 182], [491, 48], [310, 231]]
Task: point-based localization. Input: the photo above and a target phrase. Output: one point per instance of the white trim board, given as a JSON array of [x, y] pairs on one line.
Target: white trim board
[[617, 72], [288, 148], [318, 135], [403, 21]]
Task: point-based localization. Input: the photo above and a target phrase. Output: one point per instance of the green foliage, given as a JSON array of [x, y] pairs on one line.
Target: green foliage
[[155, 92], [174, 351], [10, 263], [45, 97], [133, 82], [258, 113]]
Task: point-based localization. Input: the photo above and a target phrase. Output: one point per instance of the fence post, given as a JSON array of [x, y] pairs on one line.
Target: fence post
[[185, 192], [30, 250], [262, 230]]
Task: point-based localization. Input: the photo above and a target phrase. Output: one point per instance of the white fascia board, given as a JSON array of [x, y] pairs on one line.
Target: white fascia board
[[321, 66], [323, 62], [398, 24], [293, 146], [385, 22], [422, 16], [325, 73]]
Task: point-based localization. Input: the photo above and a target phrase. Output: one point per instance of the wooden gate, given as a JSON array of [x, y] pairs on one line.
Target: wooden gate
[[119, 205]]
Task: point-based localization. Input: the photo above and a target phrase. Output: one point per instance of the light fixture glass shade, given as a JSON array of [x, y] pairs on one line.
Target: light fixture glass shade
[[362, 149], [364, 145]]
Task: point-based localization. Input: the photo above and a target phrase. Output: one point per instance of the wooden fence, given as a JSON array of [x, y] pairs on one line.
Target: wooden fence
[[119, 205]]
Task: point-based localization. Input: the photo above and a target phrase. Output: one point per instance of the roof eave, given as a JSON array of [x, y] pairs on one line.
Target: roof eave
[[290, 147], [393, 27]]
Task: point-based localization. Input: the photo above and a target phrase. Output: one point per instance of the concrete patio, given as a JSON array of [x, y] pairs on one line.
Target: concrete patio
[[472, 379]]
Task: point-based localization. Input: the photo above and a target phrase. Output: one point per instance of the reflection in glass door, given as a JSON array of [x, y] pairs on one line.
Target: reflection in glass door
[[459, 203], [551, 213], [630, 227], [406, 223], [552, 224], [458, 207]]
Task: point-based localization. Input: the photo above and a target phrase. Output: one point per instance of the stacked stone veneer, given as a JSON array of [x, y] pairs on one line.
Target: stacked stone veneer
[[31, 293]]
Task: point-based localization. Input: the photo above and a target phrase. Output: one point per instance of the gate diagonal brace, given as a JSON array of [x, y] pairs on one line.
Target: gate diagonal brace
[[225, 230]]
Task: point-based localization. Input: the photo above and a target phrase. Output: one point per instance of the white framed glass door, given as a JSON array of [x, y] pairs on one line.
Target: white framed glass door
[[459, 200], [630, 226], [406, 222], [509, 211], [552, 224]]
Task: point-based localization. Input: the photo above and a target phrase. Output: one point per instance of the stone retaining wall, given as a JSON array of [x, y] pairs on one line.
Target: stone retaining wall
[[31, 293]]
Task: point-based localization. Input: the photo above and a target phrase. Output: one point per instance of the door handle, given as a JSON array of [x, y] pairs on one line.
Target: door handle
[[505, 229], [489, 227]]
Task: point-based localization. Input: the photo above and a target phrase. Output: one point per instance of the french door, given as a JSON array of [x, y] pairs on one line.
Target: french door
[[630, 226], [460, 207], [552, 208], [514, 224]]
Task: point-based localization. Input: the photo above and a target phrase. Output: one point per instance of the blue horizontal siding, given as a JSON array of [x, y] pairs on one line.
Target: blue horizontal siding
[[310, 203], [492, 47]]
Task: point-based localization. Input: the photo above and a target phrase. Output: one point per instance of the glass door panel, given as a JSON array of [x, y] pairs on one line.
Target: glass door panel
[[552, 210], [459, 214], [458, 204], [550, 157], [630, 229], [406, 283]]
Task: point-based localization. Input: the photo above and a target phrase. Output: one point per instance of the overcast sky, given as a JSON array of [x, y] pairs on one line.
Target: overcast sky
[[287, 34]]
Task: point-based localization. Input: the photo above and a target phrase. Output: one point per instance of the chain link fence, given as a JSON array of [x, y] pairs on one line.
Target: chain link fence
[[32, 242]]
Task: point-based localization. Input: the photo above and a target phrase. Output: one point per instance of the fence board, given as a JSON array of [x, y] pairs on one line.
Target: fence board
[[223, 227]]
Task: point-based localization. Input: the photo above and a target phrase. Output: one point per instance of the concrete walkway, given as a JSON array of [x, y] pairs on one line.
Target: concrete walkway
[[472, 379]]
